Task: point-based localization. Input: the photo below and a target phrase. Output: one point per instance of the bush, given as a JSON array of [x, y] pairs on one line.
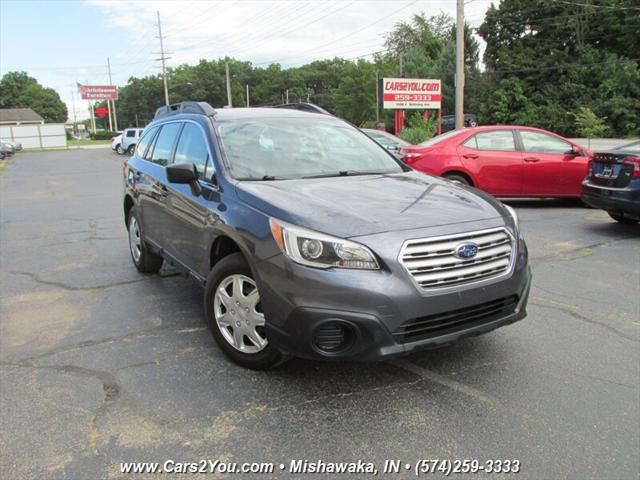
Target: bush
[[102, 135], [418, 129]]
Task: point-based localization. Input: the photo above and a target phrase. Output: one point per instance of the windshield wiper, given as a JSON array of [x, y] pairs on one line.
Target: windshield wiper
[[259, 179], [345, 173]]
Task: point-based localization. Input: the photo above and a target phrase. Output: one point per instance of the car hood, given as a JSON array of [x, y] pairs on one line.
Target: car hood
[[367, 204]]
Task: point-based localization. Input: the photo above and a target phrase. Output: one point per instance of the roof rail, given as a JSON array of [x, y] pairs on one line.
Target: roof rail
[[202, 108], [305, 107]]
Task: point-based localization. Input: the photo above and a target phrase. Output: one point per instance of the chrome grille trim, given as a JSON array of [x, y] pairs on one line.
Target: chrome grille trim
[[433, 267]]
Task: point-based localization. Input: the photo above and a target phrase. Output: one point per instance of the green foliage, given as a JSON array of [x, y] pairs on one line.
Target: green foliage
[[418, 128], [18, 90], [547, 59], [101, 135], [588, 124]]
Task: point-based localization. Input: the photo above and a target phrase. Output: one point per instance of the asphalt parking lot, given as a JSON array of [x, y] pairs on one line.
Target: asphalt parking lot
[[100, 365]]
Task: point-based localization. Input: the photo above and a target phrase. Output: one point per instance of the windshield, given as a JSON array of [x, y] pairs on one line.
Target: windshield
[[281, 147], [439, 138]]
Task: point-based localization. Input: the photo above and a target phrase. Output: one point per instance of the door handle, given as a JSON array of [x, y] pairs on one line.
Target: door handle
[[160, 190], [531, 159], [470, 155]]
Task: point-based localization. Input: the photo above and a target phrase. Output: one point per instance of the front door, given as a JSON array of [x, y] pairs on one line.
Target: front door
[[550, 167], [190, 217], [494, 161]]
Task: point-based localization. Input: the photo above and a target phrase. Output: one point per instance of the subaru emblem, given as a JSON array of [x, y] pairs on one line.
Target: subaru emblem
[[466, 251]]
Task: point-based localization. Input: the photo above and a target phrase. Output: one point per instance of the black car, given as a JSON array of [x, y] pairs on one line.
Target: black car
[[312, 240], [449, 121], [613, 182]]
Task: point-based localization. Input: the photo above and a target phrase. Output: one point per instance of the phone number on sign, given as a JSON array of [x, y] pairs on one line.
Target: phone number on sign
[[451, 467], [412, 98]]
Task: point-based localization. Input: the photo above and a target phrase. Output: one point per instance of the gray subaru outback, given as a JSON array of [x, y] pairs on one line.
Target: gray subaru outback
[[311, 240]]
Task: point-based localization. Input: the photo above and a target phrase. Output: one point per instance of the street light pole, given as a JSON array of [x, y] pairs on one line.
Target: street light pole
[[226, 70]]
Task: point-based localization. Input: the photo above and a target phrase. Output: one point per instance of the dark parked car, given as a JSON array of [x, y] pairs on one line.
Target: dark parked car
[[449, 121], [613, 182], [387, 140], [312, 240]]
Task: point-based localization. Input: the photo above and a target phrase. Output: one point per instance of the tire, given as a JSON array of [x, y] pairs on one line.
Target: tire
[[120, 150], [622, 218], [131, 150], [143, 259], [232, 308], [455, 178]]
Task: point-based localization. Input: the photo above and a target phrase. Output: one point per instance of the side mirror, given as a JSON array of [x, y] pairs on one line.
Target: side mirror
[[575, 150], [184, 173]]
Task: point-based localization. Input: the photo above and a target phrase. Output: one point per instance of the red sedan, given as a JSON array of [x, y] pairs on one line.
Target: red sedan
[[505, 161]]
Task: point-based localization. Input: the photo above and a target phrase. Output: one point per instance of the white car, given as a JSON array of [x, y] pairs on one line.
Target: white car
[[129, 139], [116, 144]]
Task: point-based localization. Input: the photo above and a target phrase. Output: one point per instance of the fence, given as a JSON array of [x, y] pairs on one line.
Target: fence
[[35, 136]]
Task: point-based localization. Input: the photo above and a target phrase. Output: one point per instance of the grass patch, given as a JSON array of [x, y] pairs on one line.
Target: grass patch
[[73, 143]]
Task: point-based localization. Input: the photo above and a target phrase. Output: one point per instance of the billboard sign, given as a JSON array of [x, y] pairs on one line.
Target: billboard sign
[[408, 93], [93, 92]]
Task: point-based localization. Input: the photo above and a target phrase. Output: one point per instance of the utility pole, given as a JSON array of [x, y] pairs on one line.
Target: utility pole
[[460, 64], [286, 96], [401, 61], [226, 71], [247, 95], [377, 101], [162, 59], [113, 102]]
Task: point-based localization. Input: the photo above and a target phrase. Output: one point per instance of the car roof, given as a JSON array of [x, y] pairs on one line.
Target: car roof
[[264, 112]]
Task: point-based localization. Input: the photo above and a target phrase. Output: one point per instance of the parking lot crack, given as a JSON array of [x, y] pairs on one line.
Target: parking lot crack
[[34, 277], [578, 316]]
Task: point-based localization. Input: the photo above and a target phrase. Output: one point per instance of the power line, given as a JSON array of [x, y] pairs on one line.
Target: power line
[[595, 5], [567, 66]]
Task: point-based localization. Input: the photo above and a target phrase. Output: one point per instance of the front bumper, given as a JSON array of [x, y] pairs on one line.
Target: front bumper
[[374, 305], [615, 200]]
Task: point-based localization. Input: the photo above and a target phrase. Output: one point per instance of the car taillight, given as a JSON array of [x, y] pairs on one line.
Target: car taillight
[[410, 157], [635, 161]]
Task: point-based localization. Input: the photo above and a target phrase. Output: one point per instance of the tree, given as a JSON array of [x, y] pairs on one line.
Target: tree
[[589, 125], [18, 90], [547, 59]]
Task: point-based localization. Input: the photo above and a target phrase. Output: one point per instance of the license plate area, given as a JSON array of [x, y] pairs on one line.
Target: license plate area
[[608, 171]]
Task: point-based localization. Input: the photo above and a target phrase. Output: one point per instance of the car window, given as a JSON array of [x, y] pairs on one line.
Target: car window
[[295, 147], [543, 143], [440, 138], [498, 140], [382, 140], [192, 148], [166, 138], [131, 133], [145, 141]]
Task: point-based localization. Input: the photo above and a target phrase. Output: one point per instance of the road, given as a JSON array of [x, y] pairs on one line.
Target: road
[[101, 365]]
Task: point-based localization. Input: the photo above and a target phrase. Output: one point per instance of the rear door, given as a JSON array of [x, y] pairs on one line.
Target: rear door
[[494, 162], [550, 168], [190, 216], [154, 203]]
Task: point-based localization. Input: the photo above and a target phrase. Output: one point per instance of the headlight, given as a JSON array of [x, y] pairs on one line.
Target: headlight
[[513, 214], [319, 250]]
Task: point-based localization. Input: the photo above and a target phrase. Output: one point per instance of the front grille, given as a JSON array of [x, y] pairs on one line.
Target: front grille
[[433, 264], [455, 320]]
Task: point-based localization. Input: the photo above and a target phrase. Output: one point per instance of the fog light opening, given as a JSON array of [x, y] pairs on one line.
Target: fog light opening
[[333, 337]]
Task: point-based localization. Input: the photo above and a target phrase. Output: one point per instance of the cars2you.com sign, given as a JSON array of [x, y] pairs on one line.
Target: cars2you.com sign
[[404, 93]]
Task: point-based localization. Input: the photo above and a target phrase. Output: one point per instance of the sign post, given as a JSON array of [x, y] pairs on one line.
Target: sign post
[[412, 94]]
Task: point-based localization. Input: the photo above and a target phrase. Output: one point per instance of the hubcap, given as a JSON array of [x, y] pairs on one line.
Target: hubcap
[[135, 243], [237, 311]]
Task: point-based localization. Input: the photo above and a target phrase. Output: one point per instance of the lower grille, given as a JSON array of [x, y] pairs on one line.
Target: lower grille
[[449, 322], [435, 262]]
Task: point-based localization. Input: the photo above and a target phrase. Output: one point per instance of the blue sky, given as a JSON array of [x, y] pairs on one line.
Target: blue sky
[[61, 42]]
